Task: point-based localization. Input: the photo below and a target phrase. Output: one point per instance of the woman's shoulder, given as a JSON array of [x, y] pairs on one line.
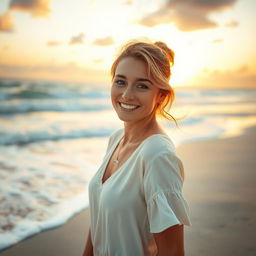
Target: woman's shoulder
[[159, 150], [158, 144]]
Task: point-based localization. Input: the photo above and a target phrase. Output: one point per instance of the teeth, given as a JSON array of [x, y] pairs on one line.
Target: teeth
[[127, 106]]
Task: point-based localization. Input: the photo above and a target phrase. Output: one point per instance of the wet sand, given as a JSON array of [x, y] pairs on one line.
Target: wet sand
[[219, 187]]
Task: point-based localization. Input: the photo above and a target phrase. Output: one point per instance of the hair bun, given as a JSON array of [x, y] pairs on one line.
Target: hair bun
[[168, 51]]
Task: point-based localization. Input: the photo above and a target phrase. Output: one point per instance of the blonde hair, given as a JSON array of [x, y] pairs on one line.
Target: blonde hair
[[159, 58]]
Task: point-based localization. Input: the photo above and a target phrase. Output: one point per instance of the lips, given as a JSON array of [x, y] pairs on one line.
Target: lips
[[128, 106]]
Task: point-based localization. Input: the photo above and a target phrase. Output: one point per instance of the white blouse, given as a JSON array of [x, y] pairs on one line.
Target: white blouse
[[142, 197]]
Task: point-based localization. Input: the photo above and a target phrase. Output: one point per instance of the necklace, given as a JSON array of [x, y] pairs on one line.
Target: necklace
[[116, 160]]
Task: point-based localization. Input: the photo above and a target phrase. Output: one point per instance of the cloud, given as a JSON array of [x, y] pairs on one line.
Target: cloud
[[127, 2], [65, 72], [187, 15], [242, 77], [53, 43], [232, 24], [217, 41], [104, 41], [98, 60], [242, 69], [6, 23], [79, 39], [38, 8]]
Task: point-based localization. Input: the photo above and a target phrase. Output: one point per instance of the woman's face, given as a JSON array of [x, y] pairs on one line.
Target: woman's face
[[133, 94]]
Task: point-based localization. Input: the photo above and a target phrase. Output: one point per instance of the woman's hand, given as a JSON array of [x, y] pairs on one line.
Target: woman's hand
[[88, 251], [170, 242]]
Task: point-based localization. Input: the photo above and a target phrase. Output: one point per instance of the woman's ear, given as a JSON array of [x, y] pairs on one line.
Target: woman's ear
[[161, 96]]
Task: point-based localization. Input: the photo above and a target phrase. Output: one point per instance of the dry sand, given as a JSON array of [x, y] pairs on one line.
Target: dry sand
[[220, 186], [220, 189]]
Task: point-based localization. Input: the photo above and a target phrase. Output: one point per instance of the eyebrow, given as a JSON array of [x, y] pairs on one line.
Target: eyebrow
[[139, 79]]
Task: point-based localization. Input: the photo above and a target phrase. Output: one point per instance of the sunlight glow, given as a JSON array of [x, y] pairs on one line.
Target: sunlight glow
[[224, 53]]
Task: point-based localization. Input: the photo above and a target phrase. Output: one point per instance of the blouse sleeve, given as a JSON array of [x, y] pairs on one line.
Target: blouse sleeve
[[162, 183]]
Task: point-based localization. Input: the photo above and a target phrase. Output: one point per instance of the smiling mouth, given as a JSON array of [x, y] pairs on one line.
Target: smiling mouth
[[127, 106]]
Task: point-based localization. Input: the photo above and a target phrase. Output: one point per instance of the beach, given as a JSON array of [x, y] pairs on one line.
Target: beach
[[67, 85], [219, 187]]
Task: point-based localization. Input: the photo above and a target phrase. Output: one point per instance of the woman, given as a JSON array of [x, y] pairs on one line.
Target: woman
[[136, 202]]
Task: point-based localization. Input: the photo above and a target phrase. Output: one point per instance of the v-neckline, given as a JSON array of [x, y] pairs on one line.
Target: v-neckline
[[127, 160]]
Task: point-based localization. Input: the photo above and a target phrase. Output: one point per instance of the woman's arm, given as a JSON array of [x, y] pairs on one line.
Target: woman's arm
[[88, 251], [170, 241]]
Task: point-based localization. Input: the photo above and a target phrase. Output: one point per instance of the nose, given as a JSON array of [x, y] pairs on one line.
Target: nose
[[128, 93]]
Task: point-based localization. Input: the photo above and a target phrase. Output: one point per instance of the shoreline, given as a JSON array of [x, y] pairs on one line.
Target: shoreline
[[218, 171]]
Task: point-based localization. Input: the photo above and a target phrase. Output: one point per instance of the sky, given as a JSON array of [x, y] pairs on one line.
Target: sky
[[214, 41]]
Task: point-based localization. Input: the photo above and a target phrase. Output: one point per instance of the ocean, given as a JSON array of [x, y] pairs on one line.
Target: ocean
[[53, 136]]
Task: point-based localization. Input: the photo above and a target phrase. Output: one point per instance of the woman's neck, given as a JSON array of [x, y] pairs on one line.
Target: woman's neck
[[136, 132]]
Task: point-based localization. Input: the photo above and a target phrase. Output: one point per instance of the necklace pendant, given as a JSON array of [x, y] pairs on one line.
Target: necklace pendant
[[116, 161]]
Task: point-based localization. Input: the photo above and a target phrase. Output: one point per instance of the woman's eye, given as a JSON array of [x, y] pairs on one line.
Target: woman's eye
[[119, 82], [142, 86]]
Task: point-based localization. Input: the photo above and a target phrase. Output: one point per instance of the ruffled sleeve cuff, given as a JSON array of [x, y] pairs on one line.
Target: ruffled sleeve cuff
[[166, 209]]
